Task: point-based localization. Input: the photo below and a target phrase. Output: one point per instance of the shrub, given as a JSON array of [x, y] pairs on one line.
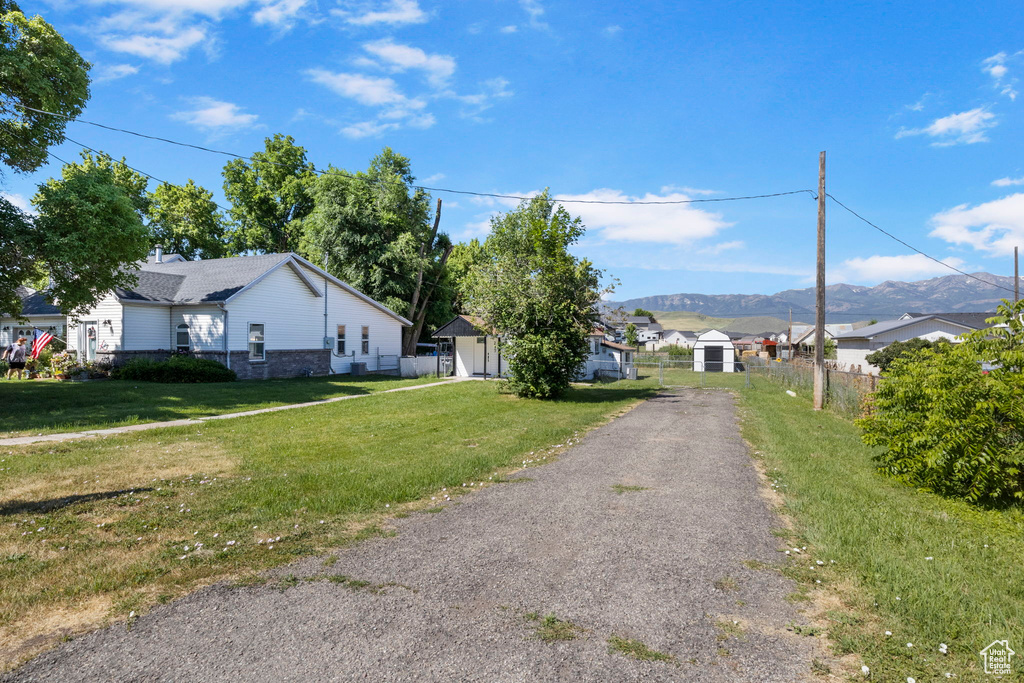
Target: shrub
[[951, 426], [884, 358], [175, 370], [677, 352]]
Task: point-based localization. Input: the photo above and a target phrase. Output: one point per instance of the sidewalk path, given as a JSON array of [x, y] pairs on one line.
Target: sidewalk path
[[450, 597], [84, 434]]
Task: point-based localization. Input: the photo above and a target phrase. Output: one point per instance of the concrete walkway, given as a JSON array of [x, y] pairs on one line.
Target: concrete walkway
[[87, 433], [459, 596]]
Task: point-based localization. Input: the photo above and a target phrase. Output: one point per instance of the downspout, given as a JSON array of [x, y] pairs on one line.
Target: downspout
[[330, 366], [227, 349]]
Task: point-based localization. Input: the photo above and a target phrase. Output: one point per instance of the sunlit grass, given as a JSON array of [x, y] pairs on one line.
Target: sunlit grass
[[97, 529]]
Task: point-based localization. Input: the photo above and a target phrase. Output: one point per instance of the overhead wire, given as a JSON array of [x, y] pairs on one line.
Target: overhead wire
[[351, 176]]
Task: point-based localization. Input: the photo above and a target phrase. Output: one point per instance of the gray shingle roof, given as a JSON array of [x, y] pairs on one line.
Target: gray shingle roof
[[975, 320], [35, 303], [196, 282], [888, 325]]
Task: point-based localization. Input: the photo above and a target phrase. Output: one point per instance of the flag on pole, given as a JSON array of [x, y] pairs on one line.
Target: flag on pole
[[39, 341]]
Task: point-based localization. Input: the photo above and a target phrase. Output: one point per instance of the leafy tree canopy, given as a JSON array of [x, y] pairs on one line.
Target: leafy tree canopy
[[632, 336], [38, 69], [540, 298], [185, 220], [643, 311], [88, 228], [952, 421], [465, 256], [270, 195], [883, 358]]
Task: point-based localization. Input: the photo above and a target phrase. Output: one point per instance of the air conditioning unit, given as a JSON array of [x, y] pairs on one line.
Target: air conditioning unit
[[631, 373]]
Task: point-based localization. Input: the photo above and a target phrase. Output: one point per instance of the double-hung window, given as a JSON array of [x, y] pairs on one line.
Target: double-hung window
[[182, 343], [366, 340], [257, 350], [341, 340]]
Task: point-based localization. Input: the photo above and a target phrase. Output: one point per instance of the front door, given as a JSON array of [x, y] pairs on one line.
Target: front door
[[479, 355], [713, 358], [89, 332]]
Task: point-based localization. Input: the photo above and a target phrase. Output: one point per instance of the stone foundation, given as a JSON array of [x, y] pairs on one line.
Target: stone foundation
[[278, 364]]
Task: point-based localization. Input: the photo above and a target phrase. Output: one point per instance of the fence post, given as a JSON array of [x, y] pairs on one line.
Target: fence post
[[661, 373], [746, 368]]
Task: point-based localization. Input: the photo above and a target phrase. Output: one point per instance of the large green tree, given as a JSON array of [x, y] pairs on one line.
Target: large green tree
[[465, 256], [374, 230], [185, 220], [270, 195], [38, 69], [540, 299], [88, 228]]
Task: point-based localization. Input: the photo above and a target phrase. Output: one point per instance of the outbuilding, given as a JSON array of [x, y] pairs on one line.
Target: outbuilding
[[474, 353], [714, 351]]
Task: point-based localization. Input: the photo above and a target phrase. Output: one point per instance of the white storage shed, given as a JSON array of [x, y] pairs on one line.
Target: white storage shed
[[714, 352]]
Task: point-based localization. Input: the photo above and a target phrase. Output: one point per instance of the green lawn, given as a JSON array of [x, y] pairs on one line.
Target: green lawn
[[96, 529], [927, 569], [43, 407]]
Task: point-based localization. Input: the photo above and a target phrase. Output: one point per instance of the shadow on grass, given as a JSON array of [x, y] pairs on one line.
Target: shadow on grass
[[599, 394], [18, 507]]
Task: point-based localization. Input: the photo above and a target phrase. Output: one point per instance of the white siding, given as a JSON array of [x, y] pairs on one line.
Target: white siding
[[294, 319], [205, 326], [43, 322], [146, 327], [108, 336], [928, 329]]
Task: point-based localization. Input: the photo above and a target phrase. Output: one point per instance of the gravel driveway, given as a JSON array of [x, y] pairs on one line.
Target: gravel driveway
[[459, 595]]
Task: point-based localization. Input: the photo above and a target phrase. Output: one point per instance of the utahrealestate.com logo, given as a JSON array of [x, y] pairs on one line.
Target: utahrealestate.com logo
[[997, 657]]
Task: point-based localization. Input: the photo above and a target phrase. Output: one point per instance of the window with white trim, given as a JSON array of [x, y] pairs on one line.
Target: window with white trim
[[341, 340], [182, 342], [366, 340], [257, 351]]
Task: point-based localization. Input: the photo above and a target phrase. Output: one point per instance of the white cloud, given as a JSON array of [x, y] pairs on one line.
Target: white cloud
[[967, 127], [1007, 182], [716, 249], [535, 11], [511, 28], [437, 68], [996, 67], [112, 72], [436, 178], [210, 8], [612, 30], [164, 49], [214, 115], [393, 12], [19, 201], [680, 224], [994, 227], [279, 13], [875, 269], [363, 89]]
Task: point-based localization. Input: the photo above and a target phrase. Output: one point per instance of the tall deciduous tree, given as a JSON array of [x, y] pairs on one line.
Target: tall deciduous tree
[[538, 297], [185, 220], [374, 230], [270, 195], [38, 69], [465, 256], [88, 229]]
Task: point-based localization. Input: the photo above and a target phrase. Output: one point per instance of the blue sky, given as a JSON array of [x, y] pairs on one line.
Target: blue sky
[[916, 104]]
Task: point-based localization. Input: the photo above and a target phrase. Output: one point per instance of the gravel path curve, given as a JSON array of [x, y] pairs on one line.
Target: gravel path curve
[[450, 598]]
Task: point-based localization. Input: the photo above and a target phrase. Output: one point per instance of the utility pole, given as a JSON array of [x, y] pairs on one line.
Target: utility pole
[[1016, 277], [819, 323], [789, 337]]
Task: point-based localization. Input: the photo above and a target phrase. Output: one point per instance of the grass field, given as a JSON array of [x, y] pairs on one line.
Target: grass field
[[926, 569], [43, 407], [97, 529]]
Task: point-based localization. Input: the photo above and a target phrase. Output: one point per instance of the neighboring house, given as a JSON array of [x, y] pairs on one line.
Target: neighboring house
[[854, 347], [680, 338], [476, 354], [832, 330], [714, 352], [651, 333], [35, 313], [272, 315]]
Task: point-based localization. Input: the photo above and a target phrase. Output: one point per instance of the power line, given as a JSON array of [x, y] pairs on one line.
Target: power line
[[913, 248], [419, 187]]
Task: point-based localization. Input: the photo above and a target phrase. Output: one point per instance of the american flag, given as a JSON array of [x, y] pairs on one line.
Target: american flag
[[39, 341]]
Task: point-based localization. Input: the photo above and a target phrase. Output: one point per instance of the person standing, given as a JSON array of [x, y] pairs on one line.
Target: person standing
[[15, 355]]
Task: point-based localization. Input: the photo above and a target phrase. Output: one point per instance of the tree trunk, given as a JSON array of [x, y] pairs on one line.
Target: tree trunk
[[421, 315]]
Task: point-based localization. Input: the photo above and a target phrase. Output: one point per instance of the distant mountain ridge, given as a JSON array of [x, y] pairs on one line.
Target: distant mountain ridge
[[844, 303]]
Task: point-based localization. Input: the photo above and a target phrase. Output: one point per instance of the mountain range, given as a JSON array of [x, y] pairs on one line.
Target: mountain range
[[844, 303]]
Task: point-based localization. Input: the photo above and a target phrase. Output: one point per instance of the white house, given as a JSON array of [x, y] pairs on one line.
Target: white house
[[476, 354], [36, 312], [852, 348], [273, 315], [714, 352]]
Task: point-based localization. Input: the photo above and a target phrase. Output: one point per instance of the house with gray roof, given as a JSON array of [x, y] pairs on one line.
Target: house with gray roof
[[852, 348], [36, 313], [265, 316]]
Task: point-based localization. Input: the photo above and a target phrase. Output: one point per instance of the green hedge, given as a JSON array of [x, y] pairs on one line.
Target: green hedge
[[175, 370]]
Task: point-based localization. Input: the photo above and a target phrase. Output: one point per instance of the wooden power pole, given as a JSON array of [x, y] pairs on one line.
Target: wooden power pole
[[789, 338], [819, 322], [1016, 278]]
